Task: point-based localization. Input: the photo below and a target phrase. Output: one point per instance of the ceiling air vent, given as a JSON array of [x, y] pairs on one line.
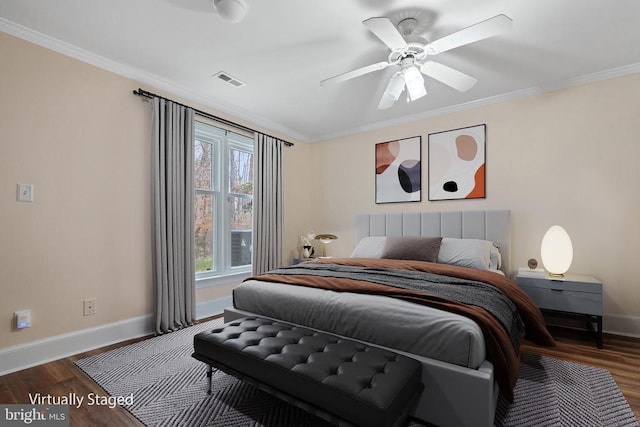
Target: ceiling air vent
[[228, 79]]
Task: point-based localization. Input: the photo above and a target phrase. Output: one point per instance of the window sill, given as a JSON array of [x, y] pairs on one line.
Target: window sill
[[206, 282]]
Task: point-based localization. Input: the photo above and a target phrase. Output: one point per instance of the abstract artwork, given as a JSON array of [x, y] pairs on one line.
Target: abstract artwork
[[457, 164], [399, 170]]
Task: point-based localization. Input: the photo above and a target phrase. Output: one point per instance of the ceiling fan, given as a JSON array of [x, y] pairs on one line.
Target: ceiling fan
[[411, 53]]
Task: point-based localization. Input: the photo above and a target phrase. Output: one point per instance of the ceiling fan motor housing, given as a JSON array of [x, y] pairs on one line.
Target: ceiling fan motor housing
[[407, 27], [415, 51]]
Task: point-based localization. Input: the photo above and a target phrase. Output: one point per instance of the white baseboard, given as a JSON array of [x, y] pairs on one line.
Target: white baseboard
[[621, 325], [45, 350], [33, 353], [213, 306]]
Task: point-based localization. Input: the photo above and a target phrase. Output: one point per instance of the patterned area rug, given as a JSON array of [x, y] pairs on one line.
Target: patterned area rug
[[169, 388]]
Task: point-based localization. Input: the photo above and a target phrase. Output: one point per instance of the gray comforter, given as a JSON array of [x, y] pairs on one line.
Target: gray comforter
[[456, 289]]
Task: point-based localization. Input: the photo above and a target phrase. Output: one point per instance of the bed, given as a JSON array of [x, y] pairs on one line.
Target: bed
[[460, 379]]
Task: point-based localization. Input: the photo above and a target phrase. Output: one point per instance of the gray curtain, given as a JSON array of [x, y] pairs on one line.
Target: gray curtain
[[267, 203], [172, 215]]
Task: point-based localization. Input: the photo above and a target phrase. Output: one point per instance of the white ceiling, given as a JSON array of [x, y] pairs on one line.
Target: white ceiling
[[283, 48]]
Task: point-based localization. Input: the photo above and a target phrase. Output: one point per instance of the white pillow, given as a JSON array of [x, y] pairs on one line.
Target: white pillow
[[474, 253], [370, 247]]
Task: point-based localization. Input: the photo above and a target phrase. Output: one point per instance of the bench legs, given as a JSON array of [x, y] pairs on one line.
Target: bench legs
[[209, 375]]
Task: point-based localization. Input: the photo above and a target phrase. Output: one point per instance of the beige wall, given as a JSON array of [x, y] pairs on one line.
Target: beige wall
[[81, 138], [78, 134], [567, 157]]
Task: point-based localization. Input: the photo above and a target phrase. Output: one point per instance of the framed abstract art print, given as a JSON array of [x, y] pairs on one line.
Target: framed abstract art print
[[399, 170], [457, 163]]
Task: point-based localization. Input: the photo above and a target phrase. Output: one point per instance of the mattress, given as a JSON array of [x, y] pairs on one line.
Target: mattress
[[381, 320]]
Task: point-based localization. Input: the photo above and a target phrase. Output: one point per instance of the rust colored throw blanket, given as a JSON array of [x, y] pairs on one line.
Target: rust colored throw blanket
[[499, 343]]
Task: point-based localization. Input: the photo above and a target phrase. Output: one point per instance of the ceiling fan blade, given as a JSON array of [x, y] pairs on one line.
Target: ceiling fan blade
[[415, 83], [480, 31], [354, 73], [386, 31], [447, 75]]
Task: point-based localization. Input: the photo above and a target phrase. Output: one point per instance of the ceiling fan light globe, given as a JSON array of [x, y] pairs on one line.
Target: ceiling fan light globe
[[386, 101], [392, 92], [395, 86], [415, 83], [412, 74], [231, 10], [417, 92]]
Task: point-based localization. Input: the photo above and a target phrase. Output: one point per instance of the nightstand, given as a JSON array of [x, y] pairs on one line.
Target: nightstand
[[573, 294], [295, 261]]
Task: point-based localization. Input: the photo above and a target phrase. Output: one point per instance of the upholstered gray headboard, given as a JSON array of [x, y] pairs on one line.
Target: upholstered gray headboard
[[493, 225]]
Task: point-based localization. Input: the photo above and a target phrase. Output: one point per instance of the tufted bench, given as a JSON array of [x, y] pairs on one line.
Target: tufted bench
[[343, 381]]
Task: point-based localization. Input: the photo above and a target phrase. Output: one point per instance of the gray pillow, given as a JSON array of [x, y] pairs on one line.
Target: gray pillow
[[412, 248]]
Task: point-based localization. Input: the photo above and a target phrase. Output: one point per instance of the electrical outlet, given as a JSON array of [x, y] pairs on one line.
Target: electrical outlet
[[89, 307], [23, 319], [25, 192]]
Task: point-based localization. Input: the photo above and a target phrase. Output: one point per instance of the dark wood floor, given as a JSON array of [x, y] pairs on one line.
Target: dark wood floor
[[621, 356]]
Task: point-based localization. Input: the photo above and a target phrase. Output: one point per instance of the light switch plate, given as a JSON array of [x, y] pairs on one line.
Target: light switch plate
[[25, 192]]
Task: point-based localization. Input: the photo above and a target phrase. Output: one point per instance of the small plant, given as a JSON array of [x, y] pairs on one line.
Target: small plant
[[307, 238], [307, 247]]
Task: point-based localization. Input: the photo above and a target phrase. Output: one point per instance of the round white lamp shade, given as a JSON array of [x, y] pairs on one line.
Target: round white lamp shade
[[231, 10], [556, 251]]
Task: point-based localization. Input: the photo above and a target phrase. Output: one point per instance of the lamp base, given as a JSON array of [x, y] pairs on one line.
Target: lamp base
[[556, 275]]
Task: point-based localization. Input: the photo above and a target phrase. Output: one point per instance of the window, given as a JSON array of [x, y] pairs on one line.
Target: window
[[223, 202]]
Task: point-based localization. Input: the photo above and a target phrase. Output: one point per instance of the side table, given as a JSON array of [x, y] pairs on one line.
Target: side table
[[572, 293]]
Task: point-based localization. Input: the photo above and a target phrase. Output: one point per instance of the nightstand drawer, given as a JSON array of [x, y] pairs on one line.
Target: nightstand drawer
[[578, 284], [561, 299]]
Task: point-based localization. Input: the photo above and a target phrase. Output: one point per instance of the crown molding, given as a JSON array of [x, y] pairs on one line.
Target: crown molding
[[510, 96], [611, 73], [141, 76]]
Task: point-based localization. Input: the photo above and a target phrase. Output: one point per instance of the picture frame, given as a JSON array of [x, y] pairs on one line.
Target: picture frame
[[398, 170], [457, 163]]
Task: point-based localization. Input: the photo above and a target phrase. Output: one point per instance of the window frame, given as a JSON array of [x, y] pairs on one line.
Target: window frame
[[223, 141]]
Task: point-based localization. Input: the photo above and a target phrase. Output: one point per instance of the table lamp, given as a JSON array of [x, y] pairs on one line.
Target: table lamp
[[556, 251], [325, 238]]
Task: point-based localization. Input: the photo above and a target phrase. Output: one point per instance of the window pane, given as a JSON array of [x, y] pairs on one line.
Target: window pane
[[203, 157], [241, 226], [240, 172], [203, 218]]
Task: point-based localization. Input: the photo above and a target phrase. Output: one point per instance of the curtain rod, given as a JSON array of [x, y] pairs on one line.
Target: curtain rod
[[147, 94]]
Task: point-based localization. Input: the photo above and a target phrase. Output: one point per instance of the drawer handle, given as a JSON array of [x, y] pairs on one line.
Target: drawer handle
[[557, 290]]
